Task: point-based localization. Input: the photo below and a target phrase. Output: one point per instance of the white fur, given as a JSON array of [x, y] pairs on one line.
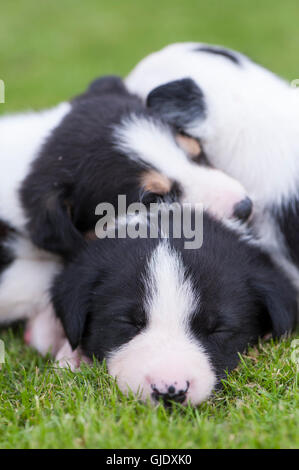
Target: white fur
[[165, 353], [251, 128], [44, 332], [252, 123], [21, 137], [25, 283], [67, 357], [153, 143]]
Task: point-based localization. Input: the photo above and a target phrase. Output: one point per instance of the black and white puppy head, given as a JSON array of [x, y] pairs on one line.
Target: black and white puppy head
[[149, 140], [171, 321]]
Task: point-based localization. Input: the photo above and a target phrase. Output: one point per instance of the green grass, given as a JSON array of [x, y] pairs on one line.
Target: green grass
[[45, 407], [49, 51]]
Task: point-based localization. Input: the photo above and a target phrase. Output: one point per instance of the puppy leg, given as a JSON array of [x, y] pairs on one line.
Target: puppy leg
[[68, 358], [44, 332]]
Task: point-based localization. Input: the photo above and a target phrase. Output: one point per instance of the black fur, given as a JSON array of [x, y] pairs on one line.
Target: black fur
[[100, 296], [6, 255], [287, 219], [107, 85], [220, 51], [179, 102]]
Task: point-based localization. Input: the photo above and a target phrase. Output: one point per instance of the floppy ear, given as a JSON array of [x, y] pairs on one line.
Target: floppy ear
[[51, 227], [72, 295], [104, 86], [279, 300], [180, 102], [108, 84]]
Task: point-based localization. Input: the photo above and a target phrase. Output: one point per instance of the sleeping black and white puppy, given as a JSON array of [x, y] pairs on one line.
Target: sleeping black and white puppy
[[248, 124], [58, 165], [169, 320]]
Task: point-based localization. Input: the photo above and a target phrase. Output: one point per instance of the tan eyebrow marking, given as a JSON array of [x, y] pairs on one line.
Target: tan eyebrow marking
[[90, 235], [155, 182], [188, 144]]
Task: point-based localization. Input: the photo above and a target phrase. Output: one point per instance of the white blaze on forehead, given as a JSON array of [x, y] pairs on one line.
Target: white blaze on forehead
[[170, 299], [153, 142], [165, 352], [147, 140]]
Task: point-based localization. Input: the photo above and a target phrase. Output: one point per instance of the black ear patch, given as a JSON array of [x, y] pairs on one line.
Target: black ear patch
[[108, 84], [179, 102], [72, 296], [111, 84], [279, 300], [6, 254], [50, 224]]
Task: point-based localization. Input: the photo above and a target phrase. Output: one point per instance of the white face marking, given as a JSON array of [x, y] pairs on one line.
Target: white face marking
[[165, 353], [150, 141], [21, 137]]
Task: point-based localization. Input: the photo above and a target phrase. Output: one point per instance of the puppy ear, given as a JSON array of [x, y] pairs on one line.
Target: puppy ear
[[104, 86], [51, 227], [180, 102], [72, 295], [278, 299]]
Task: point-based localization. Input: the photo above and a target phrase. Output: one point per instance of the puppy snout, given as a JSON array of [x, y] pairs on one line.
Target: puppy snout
[[243, 209], [170, 393]]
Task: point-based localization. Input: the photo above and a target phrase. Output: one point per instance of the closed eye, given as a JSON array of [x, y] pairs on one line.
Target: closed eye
[[193, 148], [223, 334], [221, 329]]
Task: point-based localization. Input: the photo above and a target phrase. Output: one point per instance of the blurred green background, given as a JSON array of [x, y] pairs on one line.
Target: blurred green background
[[51, 49]]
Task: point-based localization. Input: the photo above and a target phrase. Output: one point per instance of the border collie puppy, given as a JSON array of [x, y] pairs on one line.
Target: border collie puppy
[[170, 320], [58, 165], [247, 122]]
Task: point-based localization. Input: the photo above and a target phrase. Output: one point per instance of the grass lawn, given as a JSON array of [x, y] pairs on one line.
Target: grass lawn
[[42, 406], [49, 51]]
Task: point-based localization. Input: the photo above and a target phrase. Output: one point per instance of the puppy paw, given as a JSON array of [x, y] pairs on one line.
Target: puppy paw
[[66, 357], [44, 332]]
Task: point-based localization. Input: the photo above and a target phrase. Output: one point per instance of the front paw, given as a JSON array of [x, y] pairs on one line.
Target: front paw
[[69, 358], [44, 332]]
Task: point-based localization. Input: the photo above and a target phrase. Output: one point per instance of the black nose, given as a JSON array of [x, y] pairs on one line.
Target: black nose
[[170, 394], [243, 209]]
